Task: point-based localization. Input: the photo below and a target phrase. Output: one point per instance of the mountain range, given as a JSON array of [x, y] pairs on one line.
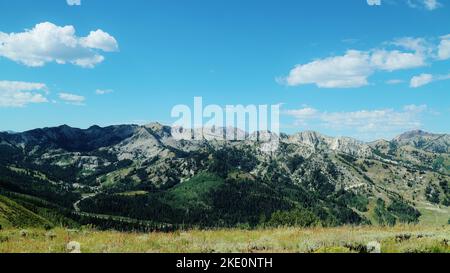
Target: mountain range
[[130, 177]]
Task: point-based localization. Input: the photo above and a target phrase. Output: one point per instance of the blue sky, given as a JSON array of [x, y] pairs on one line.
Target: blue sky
[[366, 69]]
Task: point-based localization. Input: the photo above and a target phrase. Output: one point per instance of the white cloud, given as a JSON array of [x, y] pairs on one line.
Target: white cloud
[[100, 40], [74, 2], [72, 98], [350, 70], [444, 48], [431, 4], [422, 4], [303, 112], [369, 122], [88, 62], [421, 80], [374, 2], [347, 71], [47, 42], [424, 79], [396, 60], [394, 81], [20, 94], [103, 91], [419, 45], [419, 49], [426, 4], [355, 67]]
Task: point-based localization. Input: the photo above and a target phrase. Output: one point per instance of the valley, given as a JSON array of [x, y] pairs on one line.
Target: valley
[[141, 178]]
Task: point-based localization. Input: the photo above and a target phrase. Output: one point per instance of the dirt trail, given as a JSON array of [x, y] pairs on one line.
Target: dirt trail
[[76, 205]]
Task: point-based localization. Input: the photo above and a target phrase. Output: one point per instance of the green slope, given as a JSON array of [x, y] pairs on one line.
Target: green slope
[[209, 200], [14, 215], [194, 191]]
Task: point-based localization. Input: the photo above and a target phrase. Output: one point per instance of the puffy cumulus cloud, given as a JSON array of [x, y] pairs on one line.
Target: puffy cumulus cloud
[[350, 70], [369, 122], [396, 60], [390, 60], [72, 98], [347, 71], [47, 42], [444, 48], [20, 94], [424, 79], [100, 40], [74, 2], [374, 2], [353, 69]]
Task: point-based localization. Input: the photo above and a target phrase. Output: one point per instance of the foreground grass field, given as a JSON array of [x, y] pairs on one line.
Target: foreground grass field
[[399, 239]]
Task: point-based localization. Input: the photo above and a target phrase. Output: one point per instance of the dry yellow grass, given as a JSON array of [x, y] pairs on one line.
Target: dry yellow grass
[[282, 240]]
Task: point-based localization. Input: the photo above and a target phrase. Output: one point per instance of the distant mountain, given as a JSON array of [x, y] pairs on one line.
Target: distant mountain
[[437, 143], [72, 139], [145, 173]]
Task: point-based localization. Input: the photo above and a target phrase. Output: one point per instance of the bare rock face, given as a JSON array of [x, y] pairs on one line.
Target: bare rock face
[[309, 138], [350, 146], [324, 143], [141, 145]]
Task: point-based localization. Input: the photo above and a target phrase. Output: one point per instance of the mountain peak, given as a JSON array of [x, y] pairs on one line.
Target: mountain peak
[[94, 127], [155, 126], [9, 132], [412, 134]]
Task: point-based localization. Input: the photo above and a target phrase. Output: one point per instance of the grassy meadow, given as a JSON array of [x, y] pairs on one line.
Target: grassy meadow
[[398, 239]]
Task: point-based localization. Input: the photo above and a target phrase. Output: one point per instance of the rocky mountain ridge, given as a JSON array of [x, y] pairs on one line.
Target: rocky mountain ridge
[[413, 168]]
